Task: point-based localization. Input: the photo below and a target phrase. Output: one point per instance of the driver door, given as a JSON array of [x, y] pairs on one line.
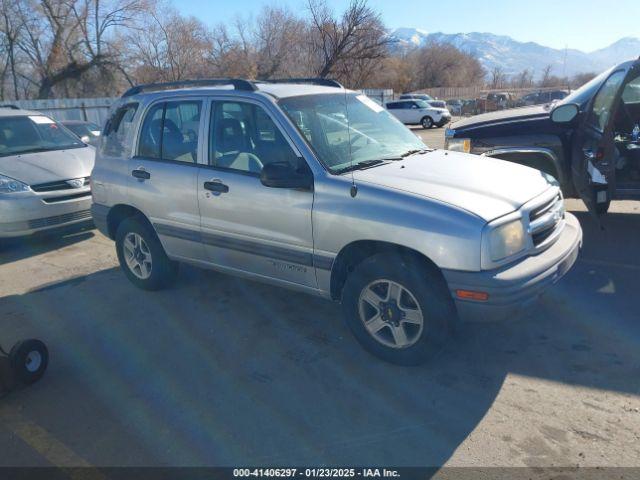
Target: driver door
[[594, 152]]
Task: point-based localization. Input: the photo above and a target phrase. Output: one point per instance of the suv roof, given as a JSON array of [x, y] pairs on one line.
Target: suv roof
[[277, 88], [13, 111]]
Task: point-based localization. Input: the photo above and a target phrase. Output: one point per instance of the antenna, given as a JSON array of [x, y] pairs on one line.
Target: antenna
[[354, 188]]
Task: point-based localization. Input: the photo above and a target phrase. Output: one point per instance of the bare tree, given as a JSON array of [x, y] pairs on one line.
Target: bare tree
[[443, 65], [358, 35], [498, 78], [10, 30], [545, 79], [65, 39], [279, 39], [524, 79]]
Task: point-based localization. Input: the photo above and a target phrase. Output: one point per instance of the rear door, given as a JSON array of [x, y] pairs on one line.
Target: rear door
[[593, 156], [403, 111], [163, 174]]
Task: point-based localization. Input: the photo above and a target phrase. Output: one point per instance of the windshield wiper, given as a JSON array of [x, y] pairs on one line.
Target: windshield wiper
[[362, 165], [413, 152]]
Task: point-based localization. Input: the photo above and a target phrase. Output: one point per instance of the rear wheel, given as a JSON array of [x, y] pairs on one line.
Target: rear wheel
[[142, 257], [398, 309], [426, 122]]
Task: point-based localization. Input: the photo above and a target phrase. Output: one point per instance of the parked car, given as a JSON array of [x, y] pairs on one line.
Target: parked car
[[88, 132], [455, 106], [425, 98], [269, 181], [416, 96], [585, 141], [496, 101], [540, 98], [419, 112], [44, 174], [470, 107]]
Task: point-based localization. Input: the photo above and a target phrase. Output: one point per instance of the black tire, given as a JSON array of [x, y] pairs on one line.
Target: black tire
[[29, 360], [431, 294], [426, 122], [163, 271]]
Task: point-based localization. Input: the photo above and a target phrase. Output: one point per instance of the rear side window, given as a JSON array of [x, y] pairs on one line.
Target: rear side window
[[170, 131], [392, 106], [118, 132], [150, 135]]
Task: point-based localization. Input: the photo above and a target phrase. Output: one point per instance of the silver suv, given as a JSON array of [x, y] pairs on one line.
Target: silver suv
[[310, 186]]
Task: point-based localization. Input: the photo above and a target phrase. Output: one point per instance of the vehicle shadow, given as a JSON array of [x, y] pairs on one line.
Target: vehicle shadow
[[14, 249], [223, 371]]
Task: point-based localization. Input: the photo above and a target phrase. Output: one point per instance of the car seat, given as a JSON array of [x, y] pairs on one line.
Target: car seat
[[231, 147]]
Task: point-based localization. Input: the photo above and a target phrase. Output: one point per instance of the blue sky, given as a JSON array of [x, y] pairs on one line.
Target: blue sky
[[582, 24]]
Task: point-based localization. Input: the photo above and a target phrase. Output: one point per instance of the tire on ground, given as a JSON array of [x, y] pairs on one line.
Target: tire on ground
[[426, 122], [163, 270], [430, 291]]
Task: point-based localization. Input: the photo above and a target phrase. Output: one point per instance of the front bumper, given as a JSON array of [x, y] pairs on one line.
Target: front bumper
[[26, 213], [443, 120], [516, 286]]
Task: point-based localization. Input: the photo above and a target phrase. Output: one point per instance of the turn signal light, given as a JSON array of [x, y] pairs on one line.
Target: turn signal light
[[471, 295]]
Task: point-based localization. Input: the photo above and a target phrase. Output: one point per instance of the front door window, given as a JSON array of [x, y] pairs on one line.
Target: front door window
[[603, 102]]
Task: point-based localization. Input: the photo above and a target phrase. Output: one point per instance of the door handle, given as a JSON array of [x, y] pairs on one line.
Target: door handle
[[216, 186], [141, 174]]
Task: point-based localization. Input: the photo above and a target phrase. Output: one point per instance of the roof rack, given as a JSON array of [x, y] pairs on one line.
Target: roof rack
[[238, 84], [326, 82], [11, 106]]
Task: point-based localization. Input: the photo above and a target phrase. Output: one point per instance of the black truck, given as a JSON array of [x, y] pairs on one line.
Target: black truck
[[589, 141]]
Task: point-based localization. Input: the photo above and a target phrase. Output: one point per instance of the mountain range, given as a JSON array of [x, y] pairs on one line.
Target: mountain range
[[514, 56]]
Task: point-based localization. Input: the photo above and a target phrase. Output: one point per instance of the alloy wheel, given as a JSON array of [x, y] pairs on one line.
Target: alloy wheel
[[391, 314], [137, 255]]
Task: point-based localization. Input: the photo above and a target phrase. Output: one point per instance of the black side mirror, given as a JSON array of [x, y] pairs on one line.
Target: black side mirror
[[285, 175], [565, 113]]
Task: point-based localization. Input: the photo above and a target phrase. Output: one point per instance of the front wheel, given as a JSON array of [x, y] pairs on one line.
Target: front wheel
[[142, 257], [398, 308], [426, 122]]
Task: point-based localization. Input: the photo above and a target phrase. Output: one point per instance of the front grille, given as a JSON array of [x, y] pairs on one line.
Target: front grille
[[57, 185], [541, 210], [545, 220], [59, 219], [64, 198]]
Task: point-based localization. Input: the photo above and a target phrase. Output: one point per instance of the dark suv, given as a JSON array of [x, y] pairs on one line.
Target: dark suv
[[588, 141]]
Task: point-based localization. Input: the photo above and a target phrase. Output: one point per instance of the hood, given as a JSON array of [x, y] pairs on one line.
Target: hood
[[43, 167], [522, 113], [484, 186]]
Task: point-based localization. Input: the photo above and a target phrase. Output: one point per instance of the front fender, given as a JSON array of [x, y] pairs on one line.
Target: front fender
[[447, 235]]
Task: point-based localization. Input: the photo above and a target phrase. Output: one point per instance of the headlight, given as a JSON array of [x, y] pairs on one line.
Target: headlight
[[9, 185], [507, 240], [458, 144]]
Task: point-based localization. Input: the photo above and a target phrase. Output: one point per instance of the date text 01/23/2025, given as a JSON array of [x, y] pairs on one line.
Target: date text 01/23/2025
[[316, 472]]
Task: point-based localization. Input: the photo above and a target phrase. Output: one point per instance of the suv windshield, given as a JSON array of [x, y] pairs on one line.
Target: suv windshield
[[33, 133], [370, 133]]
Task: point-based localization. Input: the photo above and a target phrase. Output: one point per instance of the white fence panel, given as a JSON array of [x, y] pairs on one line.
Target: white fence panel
[[89, 109]]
